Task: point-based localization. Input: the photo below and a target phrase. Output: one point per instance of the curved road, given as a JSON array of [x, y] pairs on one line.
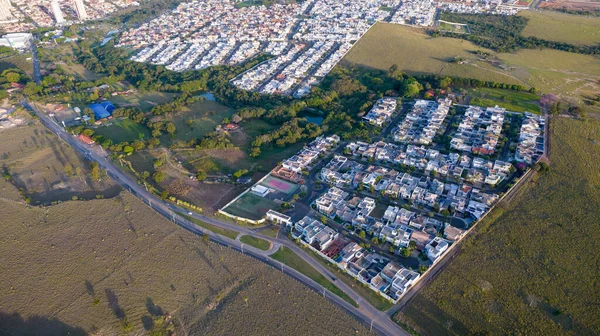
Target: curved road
[[379, 321]]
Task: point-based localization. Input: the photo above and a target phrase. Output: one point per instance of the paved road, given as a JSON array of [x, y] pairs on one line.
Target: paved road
[[379, 321]]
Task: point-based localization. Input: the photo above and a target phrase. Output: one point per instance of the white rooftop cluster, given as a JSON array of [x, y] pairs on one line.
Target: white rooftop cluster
[[531, 139], [423, 122], [479, 7], [479, 130], [415, 12], [188, 57], [382, 111]]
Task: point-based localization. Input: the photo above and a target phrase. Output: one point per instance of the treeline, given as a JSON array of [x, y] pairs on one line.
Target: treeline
[[502, 33], [595, 13], [441, 81], [290, 132]]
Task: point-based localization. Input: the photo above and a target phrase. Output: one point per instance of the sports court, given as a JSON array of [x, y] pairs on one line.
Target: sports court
[[250, 206], [280, 185]]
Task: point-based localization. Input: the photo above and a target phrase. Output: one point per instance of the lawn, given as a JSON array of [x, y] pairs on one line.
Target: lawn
[[223, 232], [529, 269], [256, 242], [288, 257], [271, 156], [556, 26], [120, 130], [511, 100]]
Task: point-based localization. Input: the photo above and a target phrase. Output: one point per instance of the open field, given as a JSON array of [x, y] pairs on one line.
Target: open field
[[511, 100], [528, 268], [18, 61], [114, 267], [199, 119], [47, 170], [415, 52], [120, 130], [555, 26], [288, 257], [550, 71], [145, 101], [256, 242]]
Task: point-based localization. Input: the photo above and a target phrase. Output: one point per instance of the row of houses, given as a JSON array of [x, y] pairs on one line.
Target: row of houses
[[424, 121], [381, 113], [382, 275], [479, 130], [308, 155], [429, 161], [531, 139]]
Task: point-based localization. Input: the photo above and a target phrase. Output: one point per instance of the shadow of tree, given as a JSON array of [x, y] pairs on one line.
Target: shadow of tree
[[153, 309], [15, 324], [113, 304]]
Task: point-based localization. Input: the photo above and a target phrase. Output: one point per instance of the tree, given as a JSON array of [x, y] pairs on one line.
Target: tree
[[422, 269], [375, 240], [201, 175], [95, 171], [362, 234], [127, 149], [12, 77], [240, 173], [323, 219], [69, 169], [159, 177], [170, 128]]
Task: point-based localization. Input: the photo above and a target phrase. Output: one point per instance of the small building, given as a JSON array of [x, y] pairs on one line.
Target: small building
[[279, 218], [85, 139], [260, 190]]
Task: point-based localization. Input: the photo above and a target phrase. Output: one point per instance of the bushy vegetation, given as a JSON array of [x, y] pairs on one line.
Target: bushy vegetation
[[528, 268]]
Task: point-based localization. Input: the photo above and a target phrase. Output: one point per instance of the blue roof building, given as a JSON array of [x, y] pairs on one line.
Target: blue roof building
[[102, 110]]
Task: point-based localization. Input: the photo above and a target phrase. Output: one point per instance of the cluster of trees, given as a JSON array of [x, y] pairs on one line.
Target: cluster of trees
[[503, 33], [290, 132], [174, 105], [214, 140], [442, 82]]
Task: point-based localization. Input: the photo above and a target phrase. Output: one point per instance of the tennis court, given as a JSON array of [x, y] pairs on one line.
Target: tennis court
[[280, 185], [250, 206]]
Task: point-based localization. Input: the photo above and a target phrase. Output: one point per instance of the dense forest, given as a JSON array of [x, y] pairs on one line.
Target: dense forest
[[503, 33]]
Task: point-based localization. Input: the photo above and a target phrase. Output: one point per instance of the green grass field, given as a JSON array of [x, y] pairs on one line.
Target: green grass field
[[511, 100], [145, 101], [250, 206], [120, 130], [223, 232], [256, 242], [204, 116], [532, 267], [555, 26], [289, 258]]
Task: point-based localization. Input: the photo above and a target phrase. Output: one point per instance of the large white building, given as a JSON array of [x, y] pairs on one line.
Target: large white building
[[80, 9], [58, 15], [16, 40]]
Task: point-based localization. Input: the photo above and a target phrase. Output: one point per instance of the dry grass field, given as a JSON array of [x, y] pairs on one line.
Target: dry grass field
[[550, 71], [111, 266], [45, 168], [533, 267], [555, 26]]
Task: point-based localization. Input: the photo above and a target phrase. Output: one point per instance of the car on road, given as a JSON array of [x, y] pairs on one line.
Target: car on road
[[190, 213]]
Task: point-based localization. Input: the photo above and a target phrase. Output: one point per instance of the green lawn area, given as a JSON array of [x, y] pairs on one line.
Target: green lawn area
[[256, 242], [532, 267], [223, 232], [556, 26], [119, 130], [270, 231], [511, 100], [367, 293], [145, 101], [271, 155], [291, 259]]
